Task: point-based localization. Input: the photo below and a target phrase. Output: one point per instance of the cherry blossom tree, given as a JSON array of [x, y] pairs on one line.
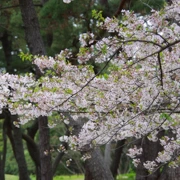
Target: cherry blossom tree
[[135, 94]]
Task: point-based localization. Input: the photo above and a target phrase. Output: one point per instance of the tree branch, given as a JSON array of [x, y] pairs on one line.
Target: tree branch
[[15, 6], [121, 6], [160, 68]]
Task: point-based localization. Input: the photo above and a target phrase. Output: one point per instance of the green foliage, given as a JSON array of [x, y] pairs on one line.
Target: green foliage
[[63, 23], [97, 15], [25, 57], [165, 116], [68, 91], [11, 165], [74, 177]]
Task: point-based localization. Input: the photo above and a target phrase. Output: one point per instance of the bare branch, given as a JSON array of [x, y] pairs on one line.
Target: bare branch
[[120, 8], [160, 68]]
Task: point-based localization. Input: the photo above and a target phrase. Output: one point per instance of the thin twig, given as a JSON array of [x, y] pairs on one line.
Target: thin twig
[[160, 68]]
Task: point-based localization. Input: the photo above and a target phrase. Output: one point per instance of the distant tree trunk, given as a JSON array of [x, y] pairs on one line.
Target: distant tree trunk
[[34, 153], [56, 161], [36, 46], [7, 48], [44, 1], [31, 27], [96, 169], [2, 174], [117, 157], [59, 156], [105, 5], [169, 1], [3, 153], [33, 148]]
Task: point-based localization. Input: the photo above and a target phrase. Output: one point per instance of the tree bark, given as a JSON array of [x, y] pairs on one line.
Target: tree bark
[[150, 152], [107, 154], [31, 27], [121, 7], [17, 145], [34, 153], [20, 158], [44, 146], [59, 156], [96, 169], [36, 47], [33, 147], [3, 153], [56, 162], [170, 173], [7, 48], [117, 157]]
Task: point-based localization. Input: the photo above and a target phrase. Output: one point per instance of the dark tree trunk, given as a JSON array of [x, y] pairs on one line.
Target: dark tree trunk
[[7, 48], [107, 154], [2, 174], [31, 27], [10, 135], [3, 153], [44, 1], [16, 141], [170, 173], [105, 5], [150, 152], [117, 157], [56, 162], [169, 2], [95, 167], [15, 137], [44, 146], [20, 158], [33, 147], [36, 46], [34, 153]]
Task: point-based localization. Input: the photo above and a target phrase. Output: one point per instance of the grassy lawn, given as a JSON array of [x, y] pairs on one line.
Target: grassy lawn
[[74, 177], [11, 177], [125, 177]]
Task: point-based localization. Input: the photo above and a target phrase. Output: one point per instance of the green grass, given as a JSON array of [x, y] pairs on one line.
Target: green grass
[[11, 177], [130, 176], [74, 177]]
